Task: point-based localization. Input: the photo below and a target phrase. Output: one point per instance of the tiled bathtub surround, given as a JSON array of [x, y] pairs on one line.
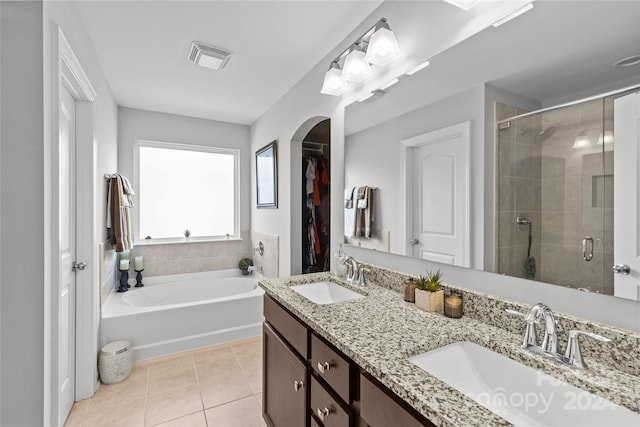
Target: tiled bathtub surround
[[269, 259], [379, 332], [108, 270], [192, 257]]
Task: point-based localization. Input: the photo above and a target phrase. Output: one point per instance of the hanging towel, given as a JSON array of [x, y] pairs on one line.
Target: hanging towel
[[349, 213], [119, 215], [364, 212], [348, 197]]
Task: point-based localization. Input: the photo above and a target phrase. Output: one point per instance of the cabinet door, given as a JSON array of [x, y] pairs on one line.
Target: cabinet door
[[379, 409], [284, 383]]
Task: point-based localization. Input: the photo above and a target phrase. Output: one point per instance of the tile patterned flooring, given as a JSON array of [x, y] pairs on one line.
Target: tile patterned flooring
[[218, 386]]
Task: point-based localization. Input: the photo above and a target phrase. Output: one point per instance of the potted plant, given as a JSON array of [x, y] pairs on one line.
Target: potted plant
[[244, 265], [429, 293], [187, 234]]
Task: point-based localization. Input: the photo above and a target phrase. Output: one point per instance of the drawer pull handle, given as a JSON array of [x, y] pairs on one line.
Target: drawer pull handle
[[297, 385], [323, 367], [322, 413]]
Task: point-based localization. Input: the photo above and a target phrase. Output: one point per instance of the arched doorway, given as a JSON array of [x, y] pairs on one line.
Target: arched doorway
[[310, 197]]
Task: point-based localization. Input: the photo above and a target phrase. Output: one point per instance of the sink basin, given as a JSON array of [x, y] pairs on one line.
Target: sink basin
[[518, 393], [325, 292]]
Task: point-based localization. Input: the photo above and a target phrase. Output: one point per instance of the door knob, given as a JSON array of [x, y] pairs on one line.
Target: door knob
[[621, 269], [78, 266], [414, 242]]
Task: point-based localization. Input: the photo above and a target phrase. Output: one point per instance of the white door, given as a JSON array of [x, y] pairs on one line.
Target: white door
[[440, 196], [626, 196], [67, 241]]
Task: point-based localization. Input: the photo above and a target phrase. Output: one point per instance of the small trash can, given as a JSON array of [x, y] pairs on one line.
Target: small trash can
[[115, 362]]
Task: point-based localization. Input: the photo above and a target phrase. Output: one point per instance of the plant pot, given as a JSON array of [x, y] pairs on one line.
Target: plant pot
[[245, 272], [432, 302]]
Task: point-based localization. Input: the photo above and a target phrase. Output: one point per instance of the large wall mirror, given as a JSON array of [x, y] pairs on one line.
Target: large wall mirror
[[500, 112]]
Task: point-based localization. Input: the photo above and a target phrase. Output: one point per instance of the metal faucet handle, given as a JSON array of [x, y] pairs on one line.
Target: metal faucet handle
[[362, 278], [530, 338], [573, 353], [515, 312], [574, 334]]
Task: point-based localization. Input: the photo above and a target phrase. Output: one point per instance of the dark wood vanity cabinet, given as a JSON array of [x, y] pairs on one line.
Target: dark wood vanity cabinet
[[380, 408], [309, 383], [285, 382]]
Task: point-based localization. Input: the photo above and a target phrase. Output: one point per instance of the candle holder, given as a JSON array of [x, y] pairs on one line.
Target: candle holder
[[124, 279], [139, 283]]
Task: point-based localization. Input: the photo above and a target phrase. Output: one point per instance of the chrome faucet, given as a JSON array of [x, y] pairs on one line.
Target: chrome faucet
[[550, 338], [253, 268], [550, 345], [352, 268]]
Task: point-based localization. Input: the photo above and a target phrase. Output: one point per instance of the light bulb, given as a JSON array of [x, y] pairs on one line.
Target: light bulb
[[582, 140], [383, 47], [334, 84], [356, 68]]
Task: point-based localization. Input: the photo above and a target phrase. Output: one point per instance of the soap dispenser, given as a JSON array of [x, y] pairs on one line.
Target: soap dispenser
[[341, 269]]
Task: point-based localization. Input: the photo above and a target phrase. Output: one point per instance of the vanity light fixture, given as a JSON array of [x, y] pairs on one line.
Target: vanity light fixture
[[417, 68], [376, 46], [513, 15], [356, 68], [372, 96], [383, 47], [334, 83], [605, 137], [581, 141], [464, 4], [208, 56], [389, 84]]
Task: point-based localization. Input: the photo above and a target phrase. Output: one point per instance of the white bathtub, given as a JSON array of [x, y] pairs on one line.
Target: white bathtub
[[184, 311]]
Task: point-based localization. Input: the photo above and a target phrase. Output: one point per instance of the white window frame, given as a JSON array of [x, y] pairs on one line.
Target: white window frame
[[139, 143]]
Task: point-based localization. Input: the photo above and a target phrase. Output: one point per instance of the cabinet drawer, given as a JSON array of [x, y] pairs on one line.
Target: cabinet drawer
[[331, 367], [288, 326], [326, 408], [379, 409]]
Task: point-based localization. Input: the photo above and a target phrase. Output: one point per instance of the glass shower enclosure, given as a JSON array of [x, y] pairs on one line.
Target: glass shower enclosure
[[554, 195]]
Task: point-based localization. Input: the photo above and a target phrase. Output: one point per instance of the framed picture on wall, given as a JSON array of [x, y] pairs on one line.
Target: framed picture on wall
[[267, 176]]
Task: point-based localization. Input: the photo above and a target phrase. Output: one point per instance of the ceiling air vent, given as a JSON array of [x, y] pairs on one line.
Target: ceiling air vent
[[208, 56]]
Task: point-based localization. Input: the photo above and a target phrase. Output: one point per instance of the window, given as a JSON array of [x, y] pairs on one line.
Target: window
[[184, 187]]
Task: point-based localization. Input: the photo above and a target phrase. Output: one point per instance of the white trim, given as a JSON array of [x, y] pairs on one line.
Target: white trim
[[138, 143], [67, 71], [462, 130]]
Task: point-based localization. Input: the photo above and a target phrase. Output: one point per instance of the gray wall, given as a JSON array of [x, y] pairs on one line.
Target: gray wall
[[134, 124], [21, 215]]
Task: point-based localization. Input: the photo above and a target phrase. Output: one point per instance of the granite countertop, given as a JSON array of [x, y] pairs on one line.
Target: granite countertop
[[381, 331]]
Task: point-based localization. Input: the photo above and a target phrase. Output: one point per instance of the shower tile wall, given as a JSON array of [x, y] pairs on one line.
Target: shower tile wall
[[160, 260], [108, 270], [269, 259], [519, 192], [564, 190], [577, 197]]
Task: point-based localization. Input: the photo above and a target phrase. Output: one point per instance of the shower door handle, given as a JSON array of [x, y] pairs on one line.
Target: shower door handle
[[587, 248], [621, 269]]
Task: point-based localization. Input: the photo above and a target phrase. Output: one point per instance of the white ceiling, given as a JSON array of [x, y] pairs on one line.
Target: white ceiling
[[142, 47], [557, 52]]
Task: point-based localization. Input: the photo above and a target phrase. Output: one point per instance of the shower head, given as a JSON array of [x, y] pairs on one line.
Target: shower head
[[540, 135]]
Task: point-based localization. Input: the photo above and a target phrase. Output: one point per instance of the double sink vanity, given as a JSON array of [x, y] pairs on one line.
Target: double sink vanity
[[338, 354]]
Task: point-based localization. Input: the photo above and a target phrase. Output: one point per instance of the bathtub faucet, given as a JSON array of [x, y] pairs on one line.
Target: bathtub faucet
[[253, 268]]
